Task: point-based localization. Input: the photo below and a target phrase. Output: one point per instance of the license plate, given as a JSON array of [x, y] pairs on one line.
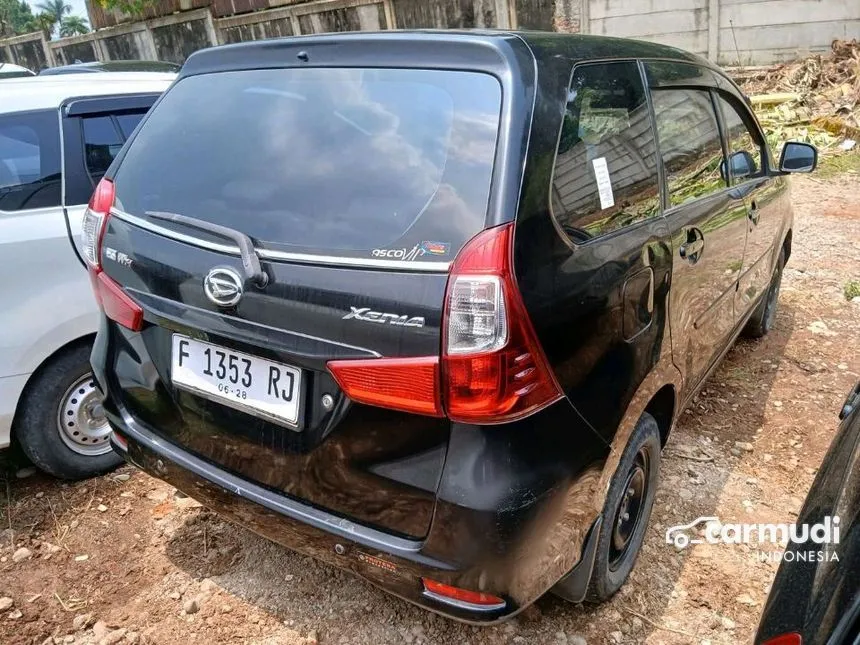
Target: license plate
[[242, 381]]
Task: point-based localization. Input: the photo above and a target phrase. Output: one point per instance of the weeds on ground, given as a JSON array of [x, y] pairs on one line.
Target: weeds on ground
[[831, 165], [852, 289]]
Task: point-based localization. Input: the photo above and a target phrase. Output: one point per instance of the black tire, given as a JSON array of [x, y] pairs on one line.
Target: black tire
[[613, 561], [764, 316], [37, 422]]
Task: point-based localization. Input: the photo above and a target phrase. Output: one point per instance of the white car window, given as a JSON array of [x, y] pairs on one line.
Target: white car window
[[29, 160]]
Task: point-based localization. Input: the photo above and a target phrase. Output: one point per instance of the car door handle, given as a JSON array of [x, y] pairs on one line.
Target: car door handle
[[691, 250], [753, 213]]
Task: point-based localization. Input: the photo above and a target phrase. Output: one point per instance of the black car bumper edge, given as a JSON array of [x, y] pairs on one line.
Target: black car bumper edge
[[390, 562]]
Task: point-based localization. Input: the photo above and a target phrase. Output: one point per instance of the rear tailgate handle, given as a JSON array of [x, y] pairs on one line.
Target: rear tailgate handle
[[250, 259]]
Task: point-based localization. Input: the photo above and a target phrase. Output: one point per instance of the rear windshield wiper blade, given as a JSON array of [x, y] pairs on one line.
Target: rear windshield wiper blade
[[250, 259]]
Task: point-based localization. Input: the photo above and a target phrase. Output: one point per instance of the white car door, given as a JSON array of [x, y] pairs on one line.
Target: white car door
[[44, 288]]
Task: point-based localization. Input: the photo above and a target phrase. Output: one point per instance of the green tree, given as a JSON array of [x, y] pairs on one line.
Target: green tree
[[72, 26], [15, 17], [43, 22], [57, 9]]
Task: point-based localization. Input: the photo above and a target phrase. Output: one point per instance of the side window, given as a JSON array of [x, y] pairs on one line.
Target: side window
[[605, 171], [689, 143], [744, 143], [102, 142], [128, 122], [29, 160]]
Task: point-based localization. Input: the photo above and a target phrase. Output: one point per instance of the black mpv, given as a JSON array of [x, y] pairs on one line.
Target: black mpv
[[426, 305]]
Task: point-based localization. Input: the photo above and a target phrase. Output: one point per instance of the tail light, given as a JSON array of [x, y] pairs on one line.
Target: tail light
[[95, 222], [785, 639], [112, 300], [407, 384], [456, 595], [492, 368]]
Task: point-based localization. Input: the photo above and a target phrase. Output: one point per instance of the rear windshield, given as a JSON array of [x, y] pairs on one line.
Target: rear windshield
[[361, 163]]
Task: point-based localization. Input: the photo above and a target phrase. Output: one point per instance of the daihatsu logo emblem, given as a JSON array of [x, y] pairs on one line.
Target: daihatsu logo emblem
[[223, 286]]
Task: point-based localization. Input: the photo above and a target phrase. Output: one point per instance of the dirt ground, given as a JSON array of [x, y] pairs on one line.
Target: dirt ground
[[122, 559]]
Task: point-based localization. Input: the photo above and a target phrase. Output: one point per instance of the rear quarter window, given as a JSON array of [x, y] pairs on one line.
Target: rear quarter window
[[605, 175], [366, 163]]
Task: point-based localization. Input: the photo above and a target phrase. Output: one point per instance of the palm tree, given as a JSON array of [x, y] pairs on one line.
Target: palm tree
[[72, 26], [43, 22], [57, 9]]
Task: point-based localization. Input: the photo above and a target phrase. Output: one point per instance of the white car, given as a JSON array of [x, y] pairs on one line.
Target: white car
[[58, 135], [10, 70]]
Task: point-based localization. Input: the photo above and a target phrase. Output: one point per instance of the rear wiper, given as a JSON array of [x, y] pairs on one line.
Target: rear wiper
[[250, 259]]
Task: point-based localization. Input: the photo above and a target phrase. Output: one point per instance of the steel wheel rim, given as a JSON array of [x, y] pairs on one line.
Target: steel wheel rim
[[81, 421], [629, 514]]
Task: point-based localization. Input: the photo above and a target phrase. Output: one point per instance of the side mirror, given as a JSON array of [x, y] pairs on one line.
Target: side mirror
[[741, 164], [798, 157]]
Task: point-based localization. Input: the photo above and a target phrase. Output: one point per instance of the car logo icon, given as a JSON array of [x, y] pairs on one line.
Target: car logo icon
[[223, 286], [680, 535]]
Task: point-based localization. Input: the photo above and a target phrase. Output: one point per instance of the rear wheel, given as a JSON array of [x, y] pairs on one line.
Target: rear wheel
[[61, 424], [627, 510], [764, 316]]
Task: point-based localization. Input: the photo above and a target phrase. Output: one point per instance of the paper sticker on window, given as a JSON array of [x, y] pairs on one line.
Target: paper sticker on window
[[604, 185]]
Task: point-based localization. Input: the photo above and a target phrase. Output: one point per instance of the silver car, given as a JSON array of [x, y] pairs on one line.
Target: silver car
[[58, 135]]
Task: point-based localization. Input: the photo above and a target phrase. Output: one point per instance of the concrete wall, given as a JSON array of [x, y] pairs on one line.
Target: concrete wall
[[764, 30], [451, 14], [29, 50], [174, 40], [255, 26], [171, 38], [731, 31], [769, 30]]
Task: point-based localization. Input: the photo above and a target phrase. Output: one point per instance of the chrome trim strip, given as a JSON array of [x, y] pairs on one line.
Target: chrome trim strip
[[268, 254]]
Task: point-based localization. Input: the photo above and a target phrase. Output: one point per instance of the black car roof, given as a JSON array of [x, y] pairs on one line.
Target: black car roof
[[543, 45]]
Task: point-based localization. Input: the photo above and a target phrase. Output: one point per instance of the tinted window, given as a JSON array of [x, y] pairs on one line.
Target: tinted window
[[29, 160], [605, 171], [367, 162], [102, 142], [744, 143], [689, 142], [128, 122]]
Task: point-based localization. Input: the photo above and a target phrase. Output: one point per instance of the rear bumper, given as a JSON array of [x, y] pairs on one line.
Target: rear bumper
[[393, 563]]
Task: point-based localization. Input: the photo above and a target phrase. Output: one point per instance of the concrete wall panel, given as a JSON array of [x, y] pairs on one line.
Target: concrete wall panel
[[176, 42], [449, 14], [81, 52]]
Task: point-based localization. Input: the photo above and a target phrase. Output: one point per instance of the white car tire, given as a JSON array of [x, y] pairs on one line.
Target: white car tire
[[60, 423]]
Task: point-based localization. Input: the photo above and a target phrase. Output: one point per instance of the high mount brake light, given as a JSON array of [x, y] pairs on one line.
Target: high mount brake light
[[492, 368], [112, 300]]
